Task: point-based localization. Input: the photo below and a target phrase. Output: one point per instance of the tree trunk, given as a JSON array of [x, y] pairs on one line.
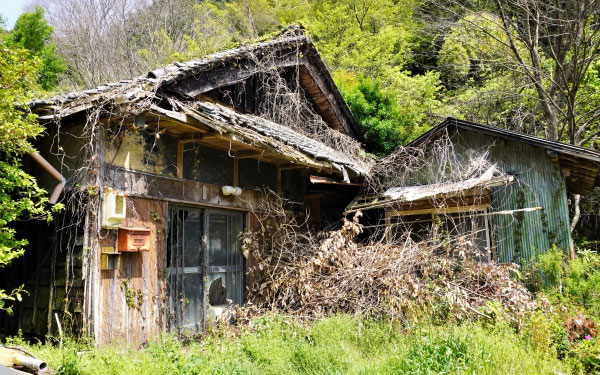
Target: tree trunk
[[574, 221]]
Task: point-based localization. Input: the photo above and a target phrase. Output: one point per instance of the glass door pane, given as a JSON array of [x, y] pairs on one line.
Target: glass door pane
[[224, 262], [184, 266]]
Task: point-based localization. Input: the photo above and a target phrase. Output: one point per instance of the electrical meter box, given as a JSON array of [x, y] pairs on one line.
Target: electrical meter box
[[113, 210], [110, 259], [134, 239]]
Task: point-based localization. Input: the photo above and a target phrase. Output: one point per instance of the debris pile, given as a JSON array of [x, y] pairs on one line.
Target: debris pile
[[305, 275]]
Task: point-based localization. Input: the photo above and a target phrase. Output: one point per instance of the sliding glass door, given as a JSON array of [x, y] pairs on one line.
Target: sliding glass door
[[204, 264]]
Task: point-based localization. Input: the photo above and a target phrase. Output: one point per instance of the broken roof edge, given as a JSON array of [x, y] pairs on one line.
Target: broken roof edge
[[577, 151], [256, 131], [406, 194], [304, 144]]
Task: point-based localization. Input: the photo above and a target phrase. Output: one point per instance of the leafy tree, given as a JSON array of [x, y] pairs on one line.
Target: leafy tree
[[20, 197], [33, 33], [384, 123], [361, 35]]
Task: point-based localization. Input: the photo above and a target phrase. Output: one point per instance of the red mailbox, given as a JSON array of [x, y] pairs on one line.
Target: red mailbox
[[134, 239]]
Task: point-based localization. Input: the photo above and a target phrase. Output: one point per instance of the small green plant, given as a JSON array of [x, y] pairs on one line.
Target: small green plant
[[92, 191], [70, 363], [547, 271], [133, 297], [585, 357], [15, 295]]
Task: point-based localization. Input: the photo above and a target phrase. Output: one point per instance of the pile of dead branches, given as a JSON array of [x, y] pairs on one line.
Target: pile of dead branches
[[295, 272]]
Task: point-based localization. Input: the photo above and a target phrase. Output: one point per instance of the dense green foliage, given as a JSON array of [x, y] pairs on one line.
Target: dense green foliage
[[20, 197], [380, 121], [575, 281], [387, 119], [32, 32], [336, 345]]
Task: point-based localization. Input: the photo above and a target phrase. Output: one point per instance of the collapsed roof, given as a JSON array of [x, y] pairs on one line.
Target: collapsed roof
[[397, 195], [228, 129]]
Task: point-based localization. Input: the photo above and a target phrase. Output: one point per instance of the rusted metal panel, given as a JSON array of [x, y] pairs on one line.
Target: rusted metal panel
[[583, 162], [523, 235]]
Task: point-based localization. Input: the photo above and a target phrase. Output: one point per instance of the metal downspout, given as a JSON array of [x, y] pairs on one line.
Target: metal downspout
[[56, 174]]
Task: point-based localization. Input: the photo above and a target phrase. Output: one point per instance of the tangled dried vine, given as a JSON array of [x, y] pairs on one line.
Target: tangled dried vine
[[298, 272]]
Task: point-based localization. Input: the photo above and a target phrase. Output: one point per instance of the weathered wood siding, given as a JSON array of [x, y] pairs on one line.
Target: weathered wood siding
[[519, 237], [117, 319], [143, 171]]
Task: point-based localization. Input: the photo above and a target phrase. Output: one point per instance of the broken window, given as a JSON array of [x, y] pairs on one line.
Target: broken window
[[464, 232]]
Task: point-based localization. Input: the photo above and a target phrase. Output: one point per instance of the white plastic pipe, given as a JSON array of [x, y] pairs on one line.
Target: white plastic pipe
[[30, 362], [231, 190]]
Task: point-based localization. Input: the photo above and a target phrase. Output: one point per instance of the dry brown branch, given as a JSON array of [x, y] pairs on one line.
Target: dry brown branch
[[295, 271]]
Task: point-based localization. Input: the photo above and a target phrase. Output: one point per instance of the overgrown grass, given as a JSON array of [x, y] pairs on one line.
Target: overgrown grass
[[336, 345]]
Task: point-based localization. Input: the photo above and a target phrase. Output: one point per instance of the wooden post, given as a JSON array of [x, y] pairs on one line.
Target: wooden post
[[388, 227], [279, 181], [180, 146]]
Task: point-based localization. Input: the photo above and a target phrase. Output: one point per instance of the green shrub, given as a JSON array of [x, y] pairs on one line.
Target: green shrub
[[582, 282], [549, 267], [585, 357]]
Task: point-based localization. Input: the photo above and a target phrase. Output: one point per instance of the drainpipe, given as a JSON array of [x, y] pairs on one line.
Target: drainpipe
[[56, 174]]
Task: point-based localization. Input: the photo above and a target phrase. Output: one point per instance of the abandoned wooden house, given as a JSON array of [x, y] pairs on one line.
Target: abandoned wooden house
[[514, 208], [160, 175]]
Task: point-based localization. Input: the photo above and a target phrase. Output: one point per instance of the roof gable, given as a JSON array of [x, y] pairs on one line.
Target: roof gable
[[582, 164]]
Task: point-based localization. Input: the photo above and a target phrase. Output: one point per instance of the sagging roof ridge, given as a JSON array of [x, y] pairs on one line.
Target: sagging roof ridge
[[168, 75], [578, 151], [177, 70]]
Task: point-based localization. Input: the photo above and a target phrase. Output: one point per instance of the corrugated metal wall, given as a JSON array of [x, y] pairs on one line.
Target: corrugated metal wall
[[519, 237]]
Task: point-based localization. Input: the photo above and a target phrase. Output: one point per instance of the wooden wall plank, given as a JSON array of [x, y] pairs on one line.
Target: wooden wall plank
[[143, 271]]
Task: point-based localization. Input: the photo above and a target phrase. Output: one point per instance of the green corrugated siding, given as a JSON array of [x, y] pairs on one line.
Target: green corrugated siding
[[520, 236]]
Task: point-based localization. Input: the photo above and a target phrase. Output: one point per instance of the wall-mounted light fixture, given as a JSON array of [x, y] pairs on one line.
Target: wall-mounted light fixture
[[140, 122], [231, 190]]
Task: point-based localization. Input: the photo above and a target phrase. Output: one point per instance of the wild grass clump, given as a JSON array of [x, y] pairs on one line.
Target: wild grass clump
[[340, 344], [568, 319]]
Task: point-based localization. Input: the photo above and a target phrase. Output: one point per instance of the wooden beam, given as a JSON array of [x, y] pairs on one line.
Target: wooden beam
[[578, 166], [228, 74], [181, 118], [331, 181], [293, 166], [252, 154]]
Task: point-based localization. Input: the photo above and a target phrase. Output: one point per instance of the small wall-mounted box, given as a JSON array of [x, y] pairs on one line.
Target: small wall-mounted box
[[109, 259], [113, 209], [134, 239]]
